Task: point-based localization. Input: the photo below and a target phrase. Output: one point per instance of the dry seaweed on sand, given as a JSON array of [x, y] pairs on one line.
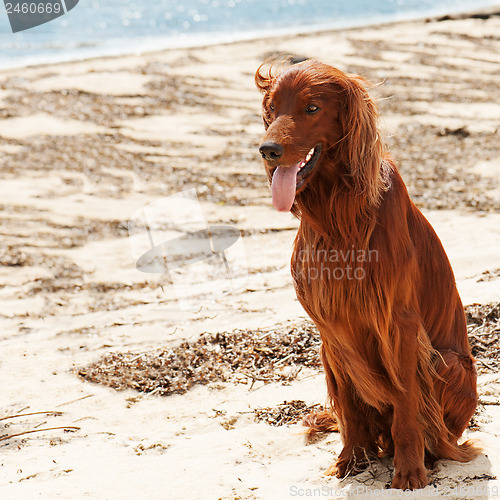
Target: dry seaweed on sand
[[241, 356], [483, 324], [286, 413], [14, 257]]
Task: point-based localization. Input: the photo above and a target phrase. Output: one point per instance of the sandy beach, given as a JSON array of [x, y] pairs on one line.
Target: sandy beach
[[85, 145]]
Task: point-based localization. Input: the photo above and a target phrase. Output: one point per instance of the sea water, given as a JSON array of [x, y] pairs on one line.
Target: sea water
[[108, 27]]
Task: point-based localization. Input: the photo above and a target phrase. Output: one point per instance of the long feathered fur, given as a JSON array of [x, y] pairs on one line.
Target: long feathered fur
[[399, 370]]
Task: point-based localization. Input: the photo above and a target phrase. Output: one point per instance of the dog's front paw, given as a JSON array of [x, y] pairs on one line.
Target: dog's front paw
[[410, 479]]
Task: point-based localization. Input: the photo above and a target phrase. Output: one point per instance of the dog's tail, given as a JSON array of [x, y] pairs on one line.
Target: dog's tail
[[319, 422], [464, 452]]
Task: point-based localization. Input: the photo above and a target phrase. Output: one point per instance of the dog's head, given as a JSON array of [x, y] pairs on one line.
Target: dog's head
[[321, 127]]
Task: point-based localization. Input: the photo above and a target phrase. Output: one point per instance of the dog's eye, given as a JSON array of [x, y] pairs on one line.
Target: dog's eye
[[311, 109], [271, 107]]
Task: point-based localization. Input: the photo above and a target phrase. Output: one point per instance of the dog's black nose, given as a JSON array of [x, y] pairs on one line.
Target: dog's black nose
[[271, 151]]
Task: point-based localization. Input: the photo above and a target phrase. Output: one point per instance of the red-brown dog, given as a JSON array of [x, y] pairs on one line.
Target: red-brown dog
[[371, 273]]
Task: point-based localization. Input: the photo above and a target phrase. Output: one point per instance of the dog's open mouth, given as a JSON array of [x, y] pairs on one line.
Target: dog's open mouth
[[307, 164], [288, 180]]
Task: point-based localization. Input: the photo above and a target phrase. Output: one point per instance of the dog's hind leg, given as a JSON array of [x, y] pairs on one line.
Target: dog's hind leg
[[456, 389]]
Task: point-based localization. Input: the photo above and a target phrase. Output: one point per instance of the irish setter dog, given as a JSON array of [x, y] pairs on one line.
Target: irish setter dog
[[371, 273]]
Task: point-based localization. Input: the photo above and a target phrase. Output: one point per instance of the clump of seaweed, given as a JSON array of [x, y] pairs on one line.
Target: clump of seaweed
[[241, 356], [286, 413], [483, 325]]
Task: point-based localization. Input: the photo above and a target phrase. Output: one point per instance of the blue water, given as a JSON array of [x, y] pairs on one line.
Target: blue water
[[106, 27]]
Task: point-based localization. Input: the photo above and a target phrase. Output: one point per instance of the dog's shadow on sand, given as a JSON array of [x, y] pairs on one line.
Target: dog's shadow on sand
[[448, 479]]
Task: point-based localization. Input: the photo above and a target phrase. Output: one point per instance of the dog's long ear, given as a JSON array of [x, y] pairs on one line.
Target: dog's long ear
[[361, 147], [264, 82], [263, 77]]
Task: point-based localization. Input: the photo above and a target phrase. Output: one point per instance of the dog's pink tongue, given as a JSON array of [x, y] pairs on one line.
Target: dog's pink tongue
[[283, 187]]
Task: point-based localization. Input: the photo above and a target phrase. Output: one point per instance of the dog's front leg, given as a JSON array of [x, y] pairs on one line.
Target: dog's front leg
[[357, 423], [410, 471], [407, 432]]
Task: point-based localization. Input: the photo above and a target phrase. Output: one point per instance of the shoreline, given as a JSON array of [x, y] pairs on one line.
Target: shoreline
[[193, 42]]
